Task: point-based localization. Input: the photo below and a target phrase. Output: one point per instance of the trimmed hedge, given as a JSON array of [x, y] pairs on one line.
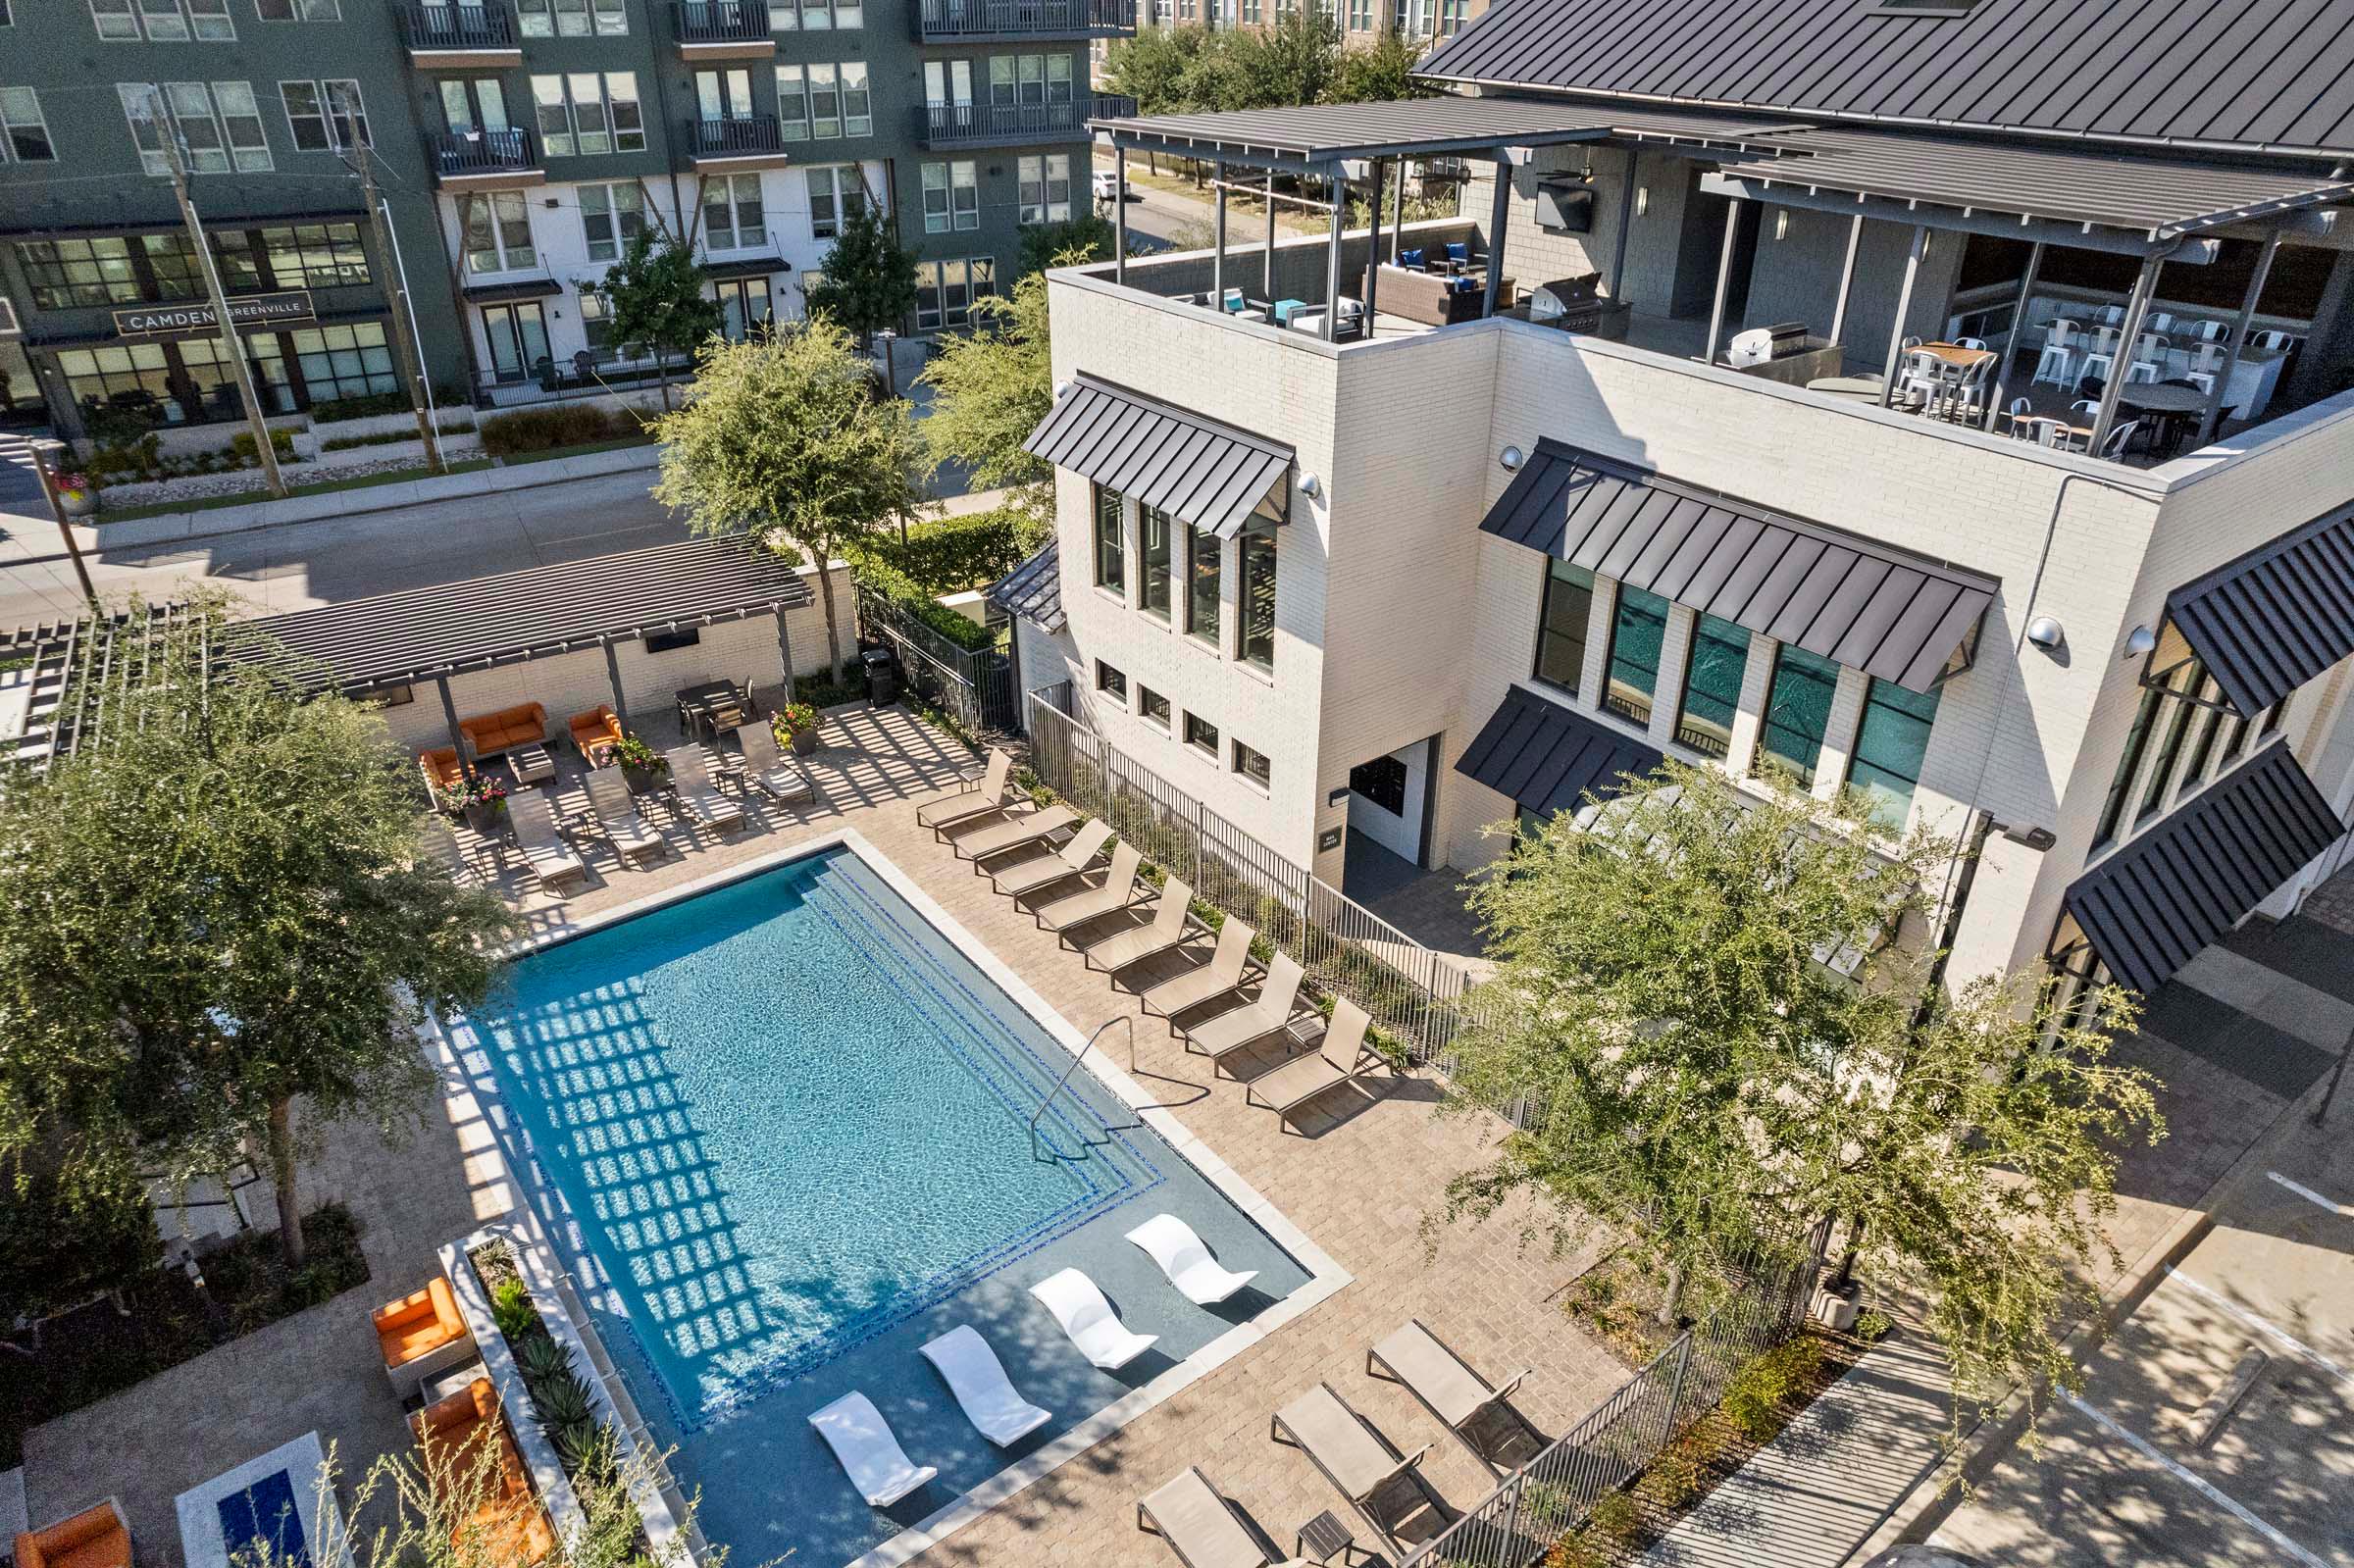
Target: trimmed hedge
[[913, 601], [541, 429], [955, 554]]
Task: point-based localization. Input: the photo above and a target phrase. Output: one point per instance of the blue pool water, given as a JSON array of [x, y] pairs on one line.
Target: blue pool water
[[781, 1128]]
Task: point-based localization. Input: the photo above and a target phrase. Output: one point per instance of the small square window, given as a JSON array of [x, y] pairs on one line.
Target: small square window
[[1111, 683], [1152, 705], [1202, 733], [1253, 764]]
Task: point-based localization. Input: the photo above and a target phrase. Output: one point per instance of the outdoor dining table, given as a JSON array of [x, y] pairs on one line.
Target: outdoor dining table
[[2171, 405], [703, 708], [1954, 354]]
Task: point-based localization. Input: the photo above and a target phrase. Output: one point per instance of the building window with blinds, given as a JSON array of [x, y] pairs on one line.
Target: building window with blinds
[[1798, 713], [1891, 741]]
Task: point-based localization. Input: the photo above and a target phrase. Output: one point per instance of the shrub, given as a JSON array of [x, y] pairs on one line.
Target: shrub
[[1872, 1327], [407, 432], [913, 601], [1679, 1473], [109, 426], [1615, 1515], [247, 451], [357, 408], [137, 459], [1757, 1394], [544, 429], [512, 1310], [953, 554]]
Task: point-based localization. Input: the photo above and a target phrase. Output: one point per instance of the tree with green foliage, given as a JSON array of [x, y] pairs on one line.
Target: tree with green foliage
[[656, 297], [213, 910], [1152, 66], [1073, 242], [868, 280], [1378, 71], [788, 440], [1701, 1082], [1297, 60], [991, 387]]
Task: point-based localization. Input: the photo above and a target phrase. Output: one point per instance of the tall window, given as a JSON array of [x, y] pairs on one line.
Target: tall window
[[1046, 187], [744, 306], [24, 134], [611, 216], [945, 290], [952, 196], [345, 361], [825, 101], [1111, 562], [1797, 710], [498, 233], [1202, 557], [733, 217], [1568, 610], [2153, 794], [589, 113], [793, 102], [1890, 742], [2120, 784], [1638, 630], [724, 94], [596, 325], [857, 103], [326, 115], [1258, 600], [1713, 684], [220, 122], [1160, 532], [834, 189]]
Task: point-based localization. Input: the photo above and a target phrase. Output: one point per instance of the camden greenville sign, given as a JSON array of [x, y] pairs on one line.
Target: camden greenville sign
[[253, 310]]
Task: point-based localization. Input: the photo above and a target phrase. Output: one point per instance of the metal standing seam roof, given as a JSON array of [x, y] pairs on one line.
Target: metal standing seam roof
[[2249, 75], [1548, 757], [1196, 469], [2158, 199], [480, 622], [1871, 606], [2279, 616], [1032, 591], [1315, 133], [2165, 893]]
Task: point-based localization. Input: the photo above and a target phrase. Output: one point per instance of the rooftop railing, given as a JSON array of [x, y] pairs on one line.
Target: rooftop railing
[[721, 21], [454, 27], [479, 152], [720, 139], [965, 125]]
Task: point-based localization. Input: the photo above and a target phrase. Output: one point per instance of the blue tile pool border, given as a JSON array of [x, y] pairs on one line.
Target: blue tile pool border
[[465, 1090]]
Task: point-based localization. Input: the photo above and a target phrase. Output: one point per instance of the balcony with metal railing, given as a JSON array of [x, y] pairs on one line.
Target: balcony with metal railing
[[750, 142], [973, 125], [972, 21], [458, 37], [722, 30], [485, 160]]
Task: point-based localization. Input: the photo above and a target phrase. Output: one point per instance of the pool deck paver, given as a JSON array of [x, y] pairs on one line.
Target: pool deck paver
[[1363, 1183]]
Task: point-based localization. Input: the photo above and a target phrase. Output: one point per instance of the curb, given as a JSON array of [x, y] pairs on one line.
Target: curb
[[1933, 1498]]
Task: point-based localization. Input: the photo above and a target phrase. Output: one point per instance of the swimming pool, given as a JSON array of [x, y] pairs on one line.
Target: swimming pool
[[781, 1130]]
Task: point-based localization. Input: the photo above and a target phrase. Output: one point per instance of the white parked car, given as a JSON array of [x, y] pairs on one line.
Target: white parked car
[[1107, 184]]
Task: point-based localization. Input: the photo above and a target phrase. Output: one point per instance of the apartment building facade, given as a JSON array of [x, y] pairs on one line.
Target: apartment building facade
[[519, 145], [1479, 568]]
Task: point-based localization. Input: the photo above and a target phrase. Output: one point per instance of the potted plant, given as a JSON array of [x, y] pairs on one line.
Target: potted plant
[[641, 765], [479, 799], [77, 494], [794, 726]]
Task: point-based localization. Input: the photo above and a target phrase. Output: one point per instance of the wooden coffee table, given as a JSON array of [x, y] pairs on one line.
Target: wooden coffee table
[[530, 764]]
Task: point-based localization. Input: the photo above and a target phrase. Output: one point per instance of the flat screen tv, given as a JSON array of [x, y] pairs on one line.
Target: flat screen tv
[[1565, 206]]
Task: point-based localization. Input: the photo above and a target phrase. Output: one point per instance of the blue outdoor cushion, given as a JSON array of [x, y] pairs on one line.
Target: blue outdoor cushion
[[1459, 252], [1410, 258], [1463, 286]]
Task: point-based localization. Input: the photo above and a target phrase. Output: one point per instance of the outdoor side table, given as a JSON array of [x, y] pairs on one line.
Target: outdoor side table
[[1323, 1538], [530, 764]]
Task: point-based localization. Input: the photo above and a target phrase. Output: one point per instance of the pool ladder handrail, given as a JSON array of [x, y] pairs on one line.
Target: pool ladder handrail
[[1129, 1018]]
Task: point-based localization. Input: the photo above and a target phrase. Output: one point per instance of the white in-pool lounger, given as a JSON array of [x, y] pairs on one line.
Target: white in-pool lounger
[[1079, 1306], [975, 1375], [870, 1455], [1182, 1256]]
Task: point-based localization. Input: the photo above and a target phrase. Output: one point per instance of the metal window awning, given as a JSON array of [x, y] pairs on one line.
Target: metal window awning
[[745, 267], [1548, 757], [2275, 617], [1872, 606], [1032, 591], [481, 623], [2165, 893], [508, 293], [1195, 468]]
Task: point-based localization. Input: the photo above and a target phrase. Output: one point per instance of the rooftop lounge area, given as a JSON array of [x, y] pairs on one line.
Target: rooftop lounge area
[[1962, 281]]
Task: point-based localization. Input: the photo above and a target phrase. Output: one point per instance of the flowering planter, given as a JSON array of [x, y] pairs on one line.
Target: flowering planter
[[76, 503], [644, 780], [483, 815], [804, 742]]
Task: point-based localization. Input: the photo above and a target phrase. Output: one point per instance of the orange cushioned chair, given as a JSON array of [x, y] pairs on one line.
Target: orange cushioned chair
[[509, 1522], [489, 734], [95, 1538], [421, 1335], [442, 774], [595, 731]]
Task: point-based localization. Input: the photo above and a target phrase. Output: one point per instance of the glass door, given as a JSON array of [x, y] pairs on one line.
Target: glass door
[[517, 336], [472, 104], [724, 94]]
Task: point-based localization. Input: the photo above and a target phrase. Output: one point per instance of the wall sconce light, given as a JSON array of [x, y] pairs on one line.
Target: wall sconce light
[[1510, 459], [1642, 201], [2046, 633], [1782, 223], [2140, 641], [1061, 388], [1311, 487]]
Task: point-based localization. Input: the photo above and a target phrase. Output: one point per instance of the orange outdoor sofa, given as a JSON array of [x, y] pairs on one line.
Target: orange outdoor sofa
[[442, 774], [489, 734], [508, 1524], [594, 731], [421, 1335], [95, 1538]]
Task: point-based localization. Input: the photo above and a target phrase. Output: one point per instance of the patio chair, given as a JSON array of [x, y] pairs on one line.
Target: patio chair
[[690, 777], [1341, 1057], [545, 850], [435, 842], [1207, 981], [1014, 832], [1186, 1259], [507, 1525], [1231, 1033], [421, 1335], [443, 777], [1199, 1525], [1118, 891], [868, 1450], [1385, 1487], [1480, 1415], [618, 818], [1079, 1306], [1021, 877], [977, 1378], [99, 1536], [975, 797], [594, 733], [1172, 923], [766, 765]]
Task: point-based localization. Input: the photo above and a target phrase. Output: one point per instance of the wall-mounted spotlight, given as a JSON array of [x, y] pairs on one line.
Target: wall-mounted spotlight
[[2046, 633], [1311, 487], [1510, 459], [2140, 641]]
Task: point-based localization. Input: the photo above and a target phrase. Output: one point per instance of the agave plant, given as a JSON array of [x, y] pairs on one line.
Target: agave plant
[[561, 1400], [540, 1357], [577, 1442]]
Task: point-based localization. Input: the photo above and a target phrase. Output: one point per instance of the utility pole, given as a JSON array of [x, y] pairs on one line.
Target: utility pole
[[412, 365], [44, 453], [175, 155]]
